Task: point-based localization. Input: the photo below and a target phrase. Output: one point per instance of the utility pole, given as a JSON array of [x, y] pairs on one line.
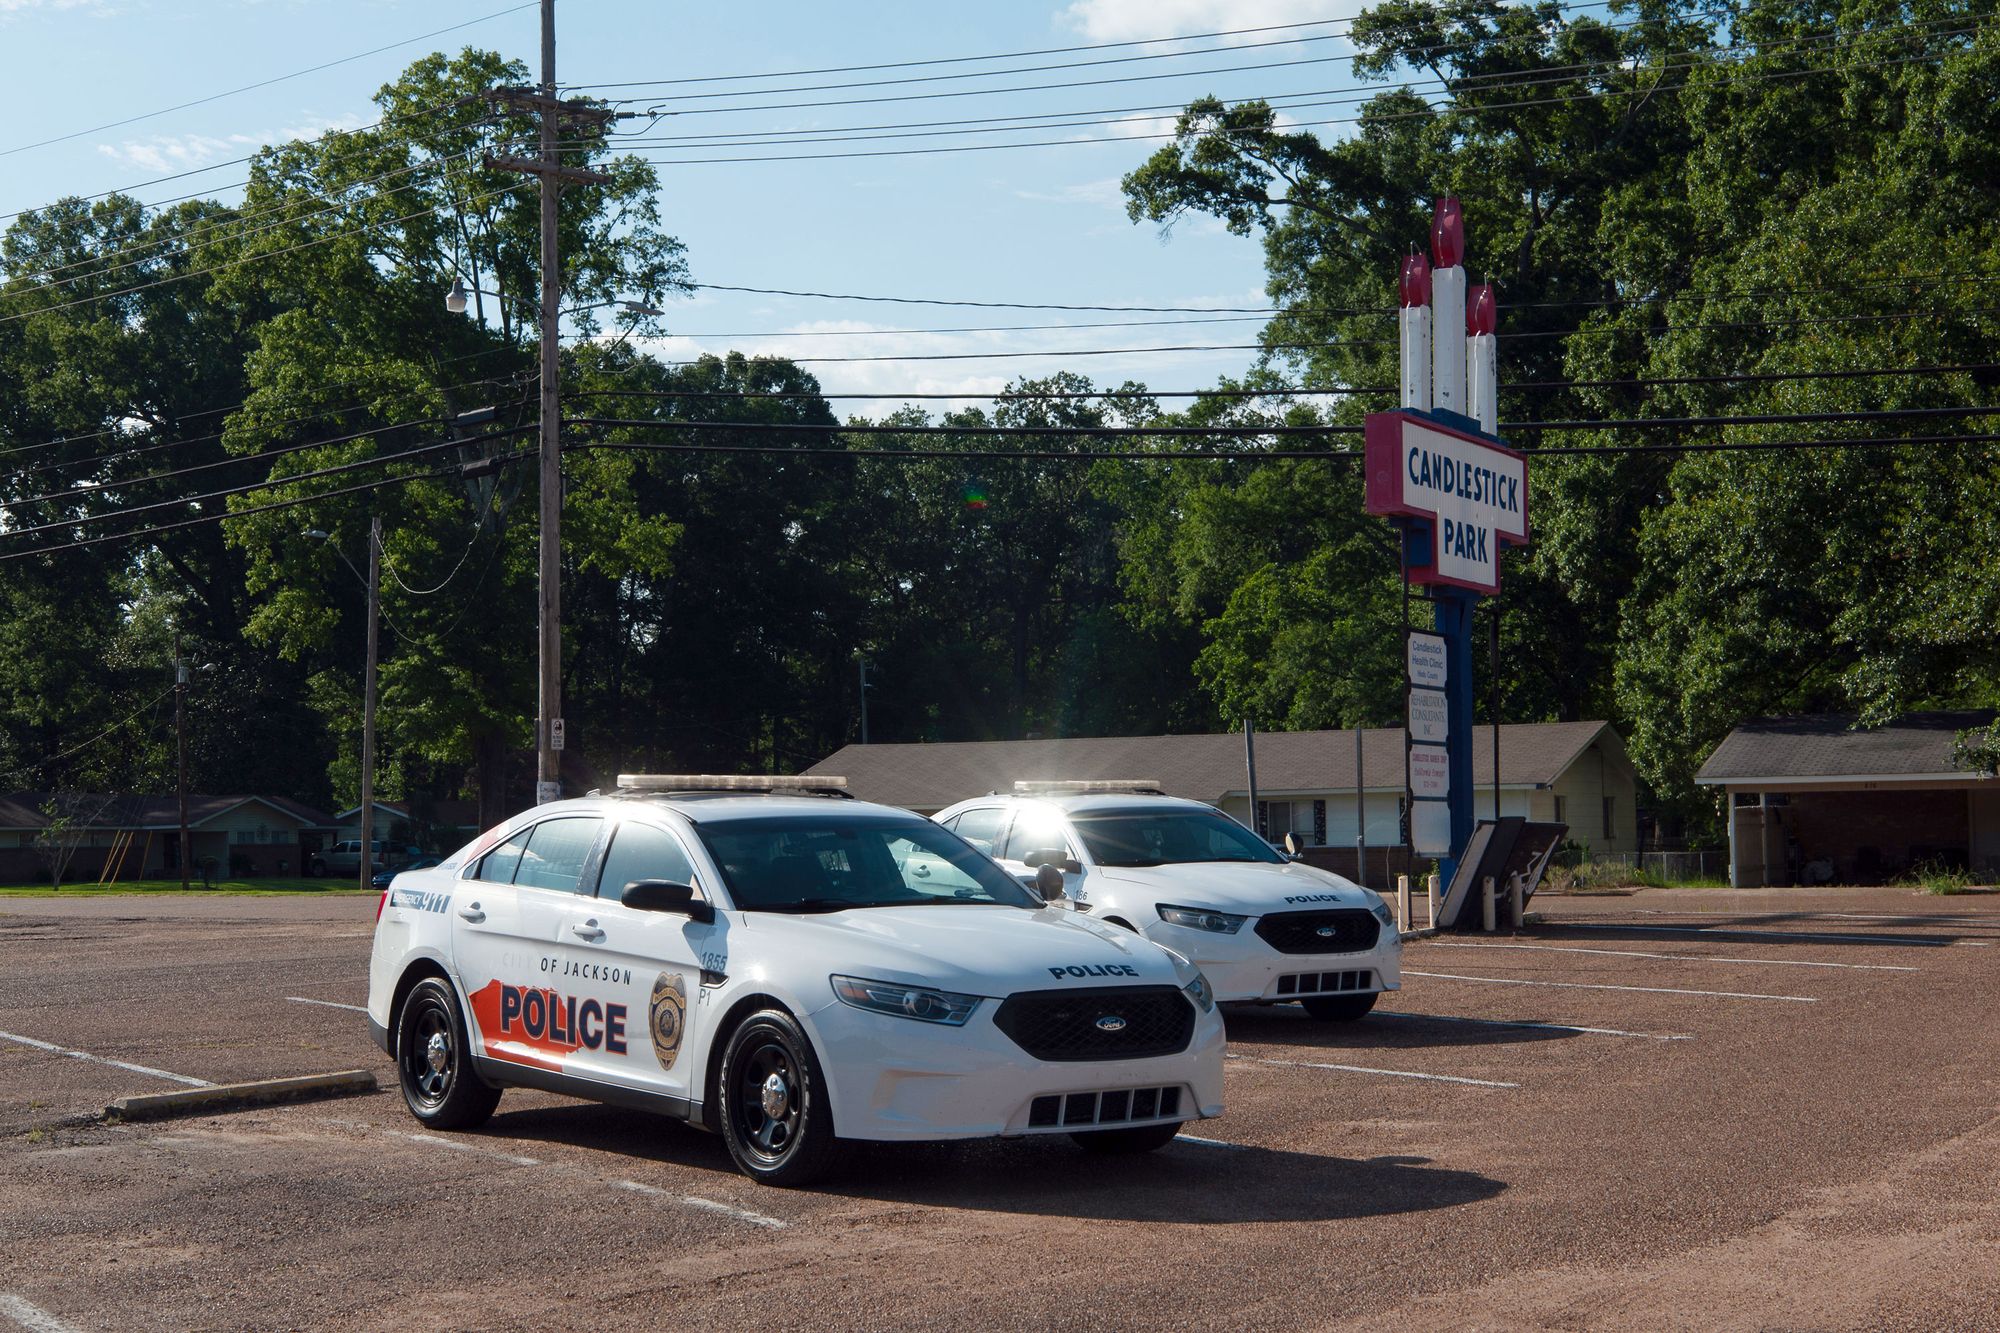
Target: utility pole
[[552, 112], [181, 744], [865, 687], [367, 871]]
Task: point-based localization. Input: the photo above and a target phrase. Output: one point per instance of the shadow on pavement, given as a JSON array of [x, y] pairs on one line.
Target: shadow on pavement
[[1184, 1182], [1288, 1025], [1819, 935], [1046, 1175]]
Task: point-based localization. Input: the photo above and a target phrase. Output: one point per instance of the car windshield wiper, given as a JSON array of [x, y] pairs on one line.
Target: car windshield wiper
[[837, 904], [1154, 862]]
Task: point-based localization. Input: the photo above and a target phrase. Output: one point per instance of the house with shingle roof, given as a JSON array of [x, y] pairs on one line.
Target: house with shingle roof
[[1821, 798], [138, 837], [1576, 773]]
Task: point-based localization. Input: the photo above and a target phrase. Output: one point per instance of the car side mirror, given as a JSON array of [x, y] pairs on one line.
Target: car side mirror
[[1054, 856], [1049, 882], [663, 895]]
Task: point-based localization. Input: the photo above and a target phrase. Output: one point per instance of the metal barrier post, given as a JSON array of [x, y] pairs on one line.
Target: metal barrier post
[[1402, 902], [1431, 884], [1515, 904], [1487, 906]]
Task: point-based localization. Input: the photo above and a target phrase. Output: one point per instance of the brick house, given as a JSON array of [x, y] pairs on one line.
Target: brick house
[[138, 837], [1820, 799]]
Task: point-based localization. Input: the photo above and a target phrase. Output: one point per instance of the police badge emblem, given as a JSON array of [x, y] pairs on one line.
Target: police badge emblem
[[669, 1017]]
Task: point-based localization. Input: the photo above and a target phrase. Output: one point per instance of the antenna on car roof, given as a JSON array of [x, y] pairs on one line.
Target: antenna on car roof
[[760, 784], [1081, 787]]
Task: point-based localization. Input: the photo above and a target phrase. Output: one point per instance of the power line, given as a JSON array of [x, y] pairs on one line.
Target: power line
[[957, 60], [199, 521], [264, 83], [117, 726], [268, 482], [428, 592]]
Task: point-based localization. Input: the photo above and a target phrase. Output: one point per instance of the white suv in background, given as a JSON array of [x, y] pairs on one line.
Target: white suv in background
[[765, 958], [1261, 927]]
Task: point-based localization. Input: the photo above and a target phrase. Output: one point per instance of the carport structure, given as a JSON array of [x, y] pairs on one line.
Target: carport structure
[[1820, 798]]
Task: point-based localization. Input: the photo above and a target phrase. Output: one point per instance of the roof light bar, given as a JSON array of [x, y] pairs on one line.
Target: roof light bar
[[726, 782], [1150, 786]]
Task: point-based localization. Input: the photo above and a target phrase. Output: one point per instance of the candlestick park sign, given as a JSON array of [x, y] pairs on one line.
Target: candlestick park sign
[[1473, 489]]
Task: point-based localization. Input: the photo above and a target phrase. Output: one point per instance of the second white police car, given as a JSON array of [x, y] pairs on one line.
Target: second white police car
[[1261, 926], [795, 969]]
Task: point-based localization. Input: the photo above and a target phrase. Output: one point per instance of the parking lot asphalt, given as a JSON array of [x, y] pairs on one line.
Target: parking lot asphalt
[[1681, 1108]]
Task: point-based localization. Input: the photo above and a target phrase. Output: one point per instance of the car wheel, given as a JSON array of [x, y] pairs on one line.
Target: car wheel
[[1120, 1142], [316, 868], [775, 1116], [440, 1085], [1339, 1008]]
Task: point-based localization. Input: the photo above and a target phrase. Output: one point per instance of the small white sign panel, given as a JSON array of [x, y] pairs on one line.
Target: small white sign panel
[[1426, 658], [1430, 828], [547, 791], [1430, 772], [1429, 717], [556, 734]]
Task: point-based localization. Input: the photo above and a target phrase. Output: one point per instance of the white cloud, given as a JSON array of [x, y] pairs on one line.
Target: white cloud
[[1104, 193], [1143, 20], [9, 7], [182, 152]]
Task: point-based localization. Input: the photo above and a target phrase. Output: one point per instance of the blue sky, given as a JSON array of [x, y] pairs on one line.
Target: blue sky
[[1031, 224]]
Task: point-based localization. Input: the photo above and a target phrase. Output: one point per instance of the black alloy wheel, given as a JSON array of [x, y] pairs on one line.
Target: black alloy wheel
[[1123, 1142], [775, 1117], [1339, 1008], [439, 1084]]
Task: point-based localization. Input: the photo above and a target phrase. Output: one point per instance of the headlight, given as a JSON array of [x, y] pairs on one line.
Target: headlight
[[1382, 912], [918, 1002], [1200, 918], [1200, 992]]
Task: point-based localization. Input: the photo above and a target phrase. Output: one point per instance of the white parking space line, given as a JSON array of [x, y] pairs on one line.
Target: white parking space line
[[1682, 957], [1722, 932], [32, 1317], [188, 1079], [1198, 1141], [1545, 1027], [706, 1205], [472, 1148], [1589, 985], [1364, 1069], [330, 1004]]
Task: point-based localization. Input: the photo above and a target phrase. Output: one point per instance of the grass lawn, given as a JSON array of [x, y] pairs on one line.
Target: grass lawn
[[287, 884]]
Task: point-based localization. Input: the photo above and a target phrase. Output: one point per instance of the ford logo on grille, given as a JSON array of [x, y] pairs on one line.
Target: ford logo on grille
[[1326, 932], [1111, 1023]]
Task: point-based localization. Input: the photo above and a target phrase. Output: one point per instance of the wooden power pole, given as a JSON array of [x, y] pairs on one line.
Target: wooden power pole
[[556, 117]]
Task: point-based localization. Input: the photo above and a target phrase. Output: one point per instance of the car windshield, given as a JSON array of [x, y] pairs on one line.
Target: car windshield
[[833, 862], [1168, 837]]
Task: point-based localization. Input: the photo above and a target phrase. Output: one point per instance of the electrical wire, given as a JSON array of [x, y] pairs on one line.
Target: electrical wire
[[117, 726], [390, 565], [265, 83], [204, 519], [268, 482]]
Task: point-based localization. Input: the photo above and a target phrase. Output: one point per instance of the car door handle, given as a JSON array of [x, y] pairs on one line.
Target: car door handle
[[588, 930], [471, 912]]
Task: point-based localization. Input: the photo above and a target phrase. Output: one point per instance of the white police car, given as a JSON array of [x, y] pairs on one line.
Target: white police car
[[1259, 925], [791, 969]]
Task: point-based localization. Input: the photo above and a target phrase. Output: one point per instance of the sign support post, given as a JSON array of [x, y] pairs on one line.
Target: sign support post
[[1438, 469]]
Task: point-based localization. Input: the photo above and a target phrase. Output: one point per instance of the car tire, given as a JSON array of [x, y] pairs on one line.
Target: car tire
[[433, 1060], [776, 1117], [316, 868], [1123, 1142], [1339, 1008]]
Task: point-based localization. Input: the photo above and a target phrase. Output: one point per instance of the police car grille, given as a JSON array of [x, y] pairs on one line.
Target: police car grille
[[1120, 1106], [1352, 930], [1322, 983], [1064, 1025]]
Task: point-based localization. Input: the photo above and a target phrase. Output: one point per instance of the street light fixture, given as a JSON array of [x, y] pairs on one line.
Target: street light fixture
[[374, 585]]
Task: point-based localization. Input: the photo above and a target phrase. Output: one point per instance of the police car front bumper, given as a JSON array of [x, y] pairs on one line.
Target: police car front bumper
[[892, 1078], [1243, 967]]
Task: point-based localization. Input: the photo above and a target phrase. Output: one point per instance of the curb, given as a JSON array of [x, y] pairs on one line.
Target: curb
[[228, 1096], [1422, 934]]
